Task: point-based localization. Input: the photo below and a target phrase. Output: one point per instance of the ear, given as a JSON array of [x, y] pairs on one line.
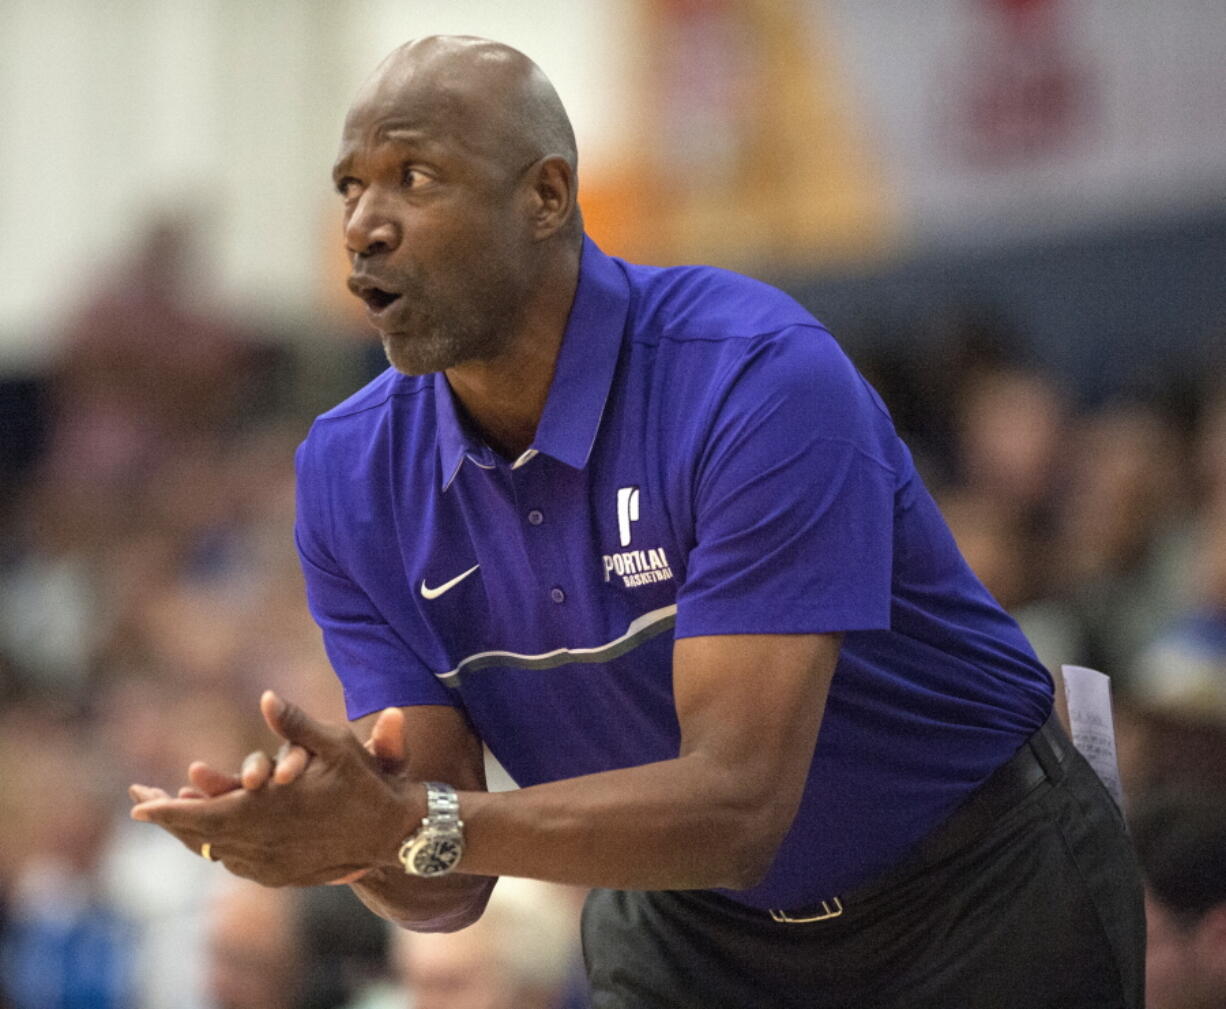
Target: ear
[[554, 196]]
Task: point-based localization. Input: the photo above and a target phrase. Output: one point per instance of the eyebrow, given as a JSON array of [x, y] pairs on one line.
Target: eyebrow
[[340, 169], [396, 134]]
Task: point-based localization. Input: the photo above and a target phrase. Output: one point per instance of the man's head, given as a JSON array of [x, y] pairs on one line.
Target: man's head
[[290, 949], [1181, 842], [517, 955], [252, 961], [457, 167]]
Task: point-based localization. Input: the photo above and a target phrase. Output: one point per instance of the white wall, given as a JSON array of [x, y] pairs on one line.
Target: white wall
[[1151, 92], [109, 111]]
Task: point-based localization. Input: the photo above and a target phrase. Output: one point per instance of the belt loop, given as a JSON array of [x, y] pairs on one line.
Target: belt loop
[[829, 909], [1047, 757]]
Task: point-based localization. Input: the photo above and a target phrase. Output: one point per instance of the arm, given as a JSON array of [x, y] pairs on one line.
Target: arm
[[444, 749], [749, 707], [793, 530], [264, 824]]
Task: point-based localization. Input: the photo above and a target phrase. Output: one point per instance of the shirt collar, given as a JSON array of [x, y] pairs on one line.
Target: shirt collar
[[581, 382]]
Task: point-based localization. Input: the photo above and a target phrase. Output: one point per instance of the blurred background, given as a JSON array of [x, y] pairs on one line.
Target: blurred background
[[1012, 213]]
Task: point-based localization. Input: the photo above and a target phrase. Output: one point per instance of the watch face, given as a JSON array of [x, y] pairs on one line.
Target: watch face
[[437, 856]]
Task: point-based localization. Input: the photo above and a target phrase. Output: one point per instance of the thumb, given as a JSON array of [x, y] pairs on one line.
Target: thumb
[[387, 742], [290, 722]]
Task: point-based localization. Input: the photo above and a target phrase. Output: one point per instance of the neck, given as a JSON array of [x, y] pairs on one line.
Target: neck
[[504, 396]]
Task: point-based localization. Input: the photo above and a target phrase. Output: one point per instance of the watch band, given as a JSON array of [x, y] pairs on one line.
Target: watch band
[[442, 806], [435, 848]]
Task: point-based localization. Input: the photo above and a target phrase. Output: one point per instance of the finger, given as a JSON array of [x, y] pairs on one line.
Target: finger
[[191, 793], [210, 781], [205, 818], [352, 877], [292, 723], [387, 741], [291, 762], [150, 801], [256, 770], [144, 793]]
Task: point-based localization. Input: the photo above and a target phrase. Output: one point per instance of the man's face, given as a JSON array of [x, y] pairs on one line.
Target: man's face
[[251, 961], [434, 225], [457, 971]]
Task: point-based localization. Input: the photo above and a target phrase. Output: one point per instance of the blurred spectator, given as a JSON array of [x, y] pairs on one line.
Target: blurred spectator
[[1011, 430], [1181, 841], [252, 959], [923, 379], [315, 948], [1123, 536], [1013, 561], [65, 943], [519, 954], [149, 590], [1210, 453], [1184, 668], [144, 367], [163, 889]]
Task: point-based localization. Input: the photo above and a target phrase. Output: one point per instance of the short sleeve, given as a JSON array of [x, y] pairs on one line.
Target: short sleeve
[[376, 666], [793, 498]]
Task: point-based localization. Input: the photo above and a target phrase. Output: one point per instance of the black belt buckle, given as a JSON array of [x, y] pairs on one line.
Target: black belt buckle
[[823, 912]]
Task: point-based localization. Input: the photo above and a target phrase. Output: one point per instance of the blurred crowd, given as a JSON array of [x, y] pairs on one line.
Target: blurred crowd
[[149, 591]]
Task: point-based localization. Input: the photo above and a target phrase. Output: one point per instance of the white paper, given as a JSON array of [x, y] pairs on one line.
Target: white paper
[[1088, 693]]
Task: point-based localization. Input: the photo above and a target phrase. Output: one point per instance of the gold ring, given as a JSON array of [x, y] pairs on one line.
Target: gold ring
[[206, 851]]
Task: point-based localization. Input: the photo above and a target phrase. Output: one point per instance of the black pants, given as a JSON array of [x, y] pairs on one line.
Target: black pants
[[1037, 906]]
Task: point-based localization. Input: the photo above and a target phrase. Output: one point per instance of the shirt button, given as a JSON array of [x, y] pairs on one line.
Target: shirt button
[[536, 517], [557, 595]]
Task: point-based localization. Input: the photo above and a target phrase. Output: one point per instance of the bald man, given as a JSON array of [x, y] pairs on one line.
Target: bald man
[[643, 532]]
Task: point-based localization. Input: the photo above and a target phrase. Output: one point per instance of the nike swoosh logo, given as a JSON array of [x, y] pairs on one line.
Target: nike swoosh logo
[[429, 593]]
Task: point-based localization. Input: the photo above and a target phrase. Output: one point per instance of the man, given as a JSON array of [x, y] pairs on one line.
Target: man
[[1181, 841], [291, 949], [643, 531], [518, 955]]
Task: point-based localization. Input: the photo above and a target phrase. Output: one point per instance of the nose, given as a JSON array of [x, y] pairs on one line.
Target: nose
[[370, 229]]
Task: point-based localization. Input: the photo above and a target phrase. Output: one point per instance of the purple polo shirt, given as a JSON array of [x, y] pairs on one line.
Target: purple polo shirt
[[708, 462]]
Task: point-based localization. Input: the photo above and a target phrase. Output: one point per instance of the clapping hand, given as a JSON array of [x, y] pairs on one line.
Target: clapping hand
[[327, 809]]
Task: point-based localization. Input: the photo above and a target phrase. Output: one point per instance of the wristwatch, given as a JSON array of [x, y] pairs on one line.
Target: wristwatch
[[434, 849]]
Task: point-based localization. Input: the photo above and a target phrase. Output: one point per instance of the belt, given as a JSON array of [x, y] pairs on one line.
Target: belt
[[1041, 758]]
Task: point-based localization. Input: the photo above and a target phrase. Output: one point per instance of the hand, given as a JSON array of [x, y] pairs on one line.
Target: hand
[[345, 812], [386, 744]]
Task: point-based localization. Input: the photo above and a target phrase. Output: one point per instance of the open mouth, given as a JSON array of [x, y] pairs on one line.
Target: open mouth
[[376, 298]]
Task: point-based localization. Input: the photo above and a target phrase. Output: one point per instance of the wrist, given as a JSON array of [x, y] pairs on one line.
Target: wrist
[[403, 820], [436, 844]]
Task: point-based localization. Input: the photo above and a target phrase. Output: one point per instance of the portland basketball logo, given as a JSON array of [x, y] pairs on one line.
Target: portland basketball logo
[[627, 512], [634, 567]]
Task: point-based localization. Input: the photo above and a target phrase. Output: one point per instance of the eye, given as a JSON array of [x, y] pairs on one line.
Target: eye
[[412, 177], [346, 186]]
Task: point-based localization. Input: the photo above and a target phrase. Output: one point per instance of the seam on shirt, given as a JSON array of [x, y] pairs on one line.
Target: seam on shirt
[[858, 450], [684, 337], [673, 336], [354, 411], [641, 629]]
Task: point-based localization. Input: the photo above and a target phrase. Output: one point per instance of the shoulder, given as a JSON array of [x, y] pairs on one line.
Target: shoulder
[[710, 330], [349, 434], [371, 407], [376, 396], [731, 338], [686, 303]]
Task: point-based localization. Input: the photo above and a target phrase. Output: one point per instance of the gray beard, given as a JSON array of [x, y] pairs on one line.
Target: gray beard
[[439, 340], [435, 350]]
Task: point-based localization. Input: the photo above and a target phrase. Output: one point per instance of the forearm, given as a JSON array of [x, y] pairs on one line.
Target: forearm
[[424, 905], [686, 823]]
